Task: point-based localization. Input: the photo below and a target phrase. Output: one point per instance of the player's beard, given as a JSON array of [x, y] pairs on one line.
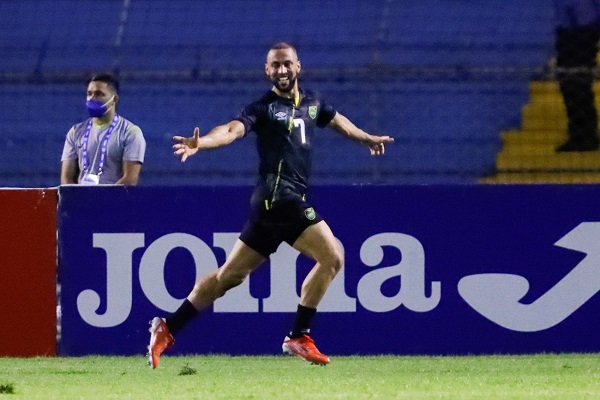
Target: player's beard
[[288, 88]]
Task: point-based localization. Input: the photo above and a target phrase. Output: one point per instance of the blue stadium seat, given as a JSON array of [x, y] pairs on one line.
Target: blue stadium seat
[[444, 78]]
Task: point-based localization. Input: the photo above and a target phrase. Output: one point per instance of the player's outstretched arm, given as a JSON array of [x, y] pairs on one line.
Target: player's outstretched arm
[[219, 136], [376, 144]]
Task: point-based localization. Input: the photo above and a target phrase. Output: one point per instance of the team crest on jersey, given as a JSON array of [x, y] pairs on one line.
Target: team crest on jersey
[[281, 116], [310, 213], [312, 111]]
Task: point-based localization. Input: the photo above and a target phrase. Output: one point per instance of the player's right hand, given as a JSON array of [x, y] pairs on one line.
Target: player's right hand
[[186, 146]]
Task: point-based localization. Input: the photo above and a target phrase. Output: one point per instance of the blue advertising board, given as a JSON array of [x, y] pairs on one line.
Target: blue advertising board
[[465, 269]]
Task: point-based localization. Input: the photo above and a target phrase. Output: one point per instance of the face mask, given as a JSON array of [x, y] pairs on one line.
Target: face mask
[[96, 108]]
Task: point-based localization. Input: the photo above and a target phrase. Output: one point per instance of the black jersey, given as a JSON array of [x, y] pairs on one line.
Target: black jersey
[[284, 134]]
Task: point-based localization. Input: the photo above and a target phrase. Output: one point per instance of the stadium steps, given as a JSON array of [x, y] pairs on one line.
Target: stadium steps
[[528, 154], [538, 161], [545, 177]]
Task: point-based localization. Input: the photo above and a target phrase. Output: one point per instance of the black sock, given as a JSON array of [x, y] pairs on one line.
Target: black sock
[[180, 318], [304, 317]]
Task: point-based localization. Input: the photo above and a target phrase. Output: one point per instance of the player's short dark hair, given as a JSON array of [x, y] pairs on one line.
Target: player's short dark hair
[[107, 78], [282, 46]]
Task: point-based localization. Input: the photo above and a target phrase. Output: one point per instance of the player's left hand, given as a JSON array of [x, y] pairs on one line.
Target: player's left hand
[[186, 146]]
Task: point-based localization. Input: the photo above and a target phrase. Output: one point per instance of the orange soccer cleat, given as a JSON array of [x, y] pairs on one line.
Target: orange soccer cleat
[[305, 347], [160, 340]]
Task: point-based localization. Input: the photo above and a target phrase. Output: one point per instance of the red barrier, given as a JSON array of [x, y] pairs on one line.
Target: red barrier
[[28, 277]]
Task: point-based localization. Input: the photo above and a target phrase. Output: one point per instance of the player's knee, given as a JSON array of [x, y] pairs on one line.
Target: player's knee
[[335, 262], [338, 263]]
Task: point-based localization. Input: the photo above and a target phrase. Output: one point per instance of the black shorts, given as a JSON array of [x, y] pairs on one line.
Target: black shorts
[[283, 222]]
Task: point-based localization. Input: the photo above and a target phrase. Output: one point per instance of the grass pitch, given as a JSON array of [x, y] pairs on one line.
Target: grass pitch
[[550, 376]]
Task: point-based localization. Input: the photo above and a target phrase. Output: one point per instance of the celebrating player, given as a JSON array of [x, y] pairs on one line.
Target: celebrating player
[[284, 120]]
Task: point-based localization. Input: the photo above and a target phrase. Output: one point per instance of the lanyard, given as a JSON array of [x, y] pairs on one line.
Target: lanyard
[[103, 147]]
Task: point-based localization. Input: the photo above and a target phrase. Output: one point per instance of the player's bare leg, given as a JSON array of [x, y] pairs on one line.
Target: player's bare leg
[[319, 243], [241, 262]]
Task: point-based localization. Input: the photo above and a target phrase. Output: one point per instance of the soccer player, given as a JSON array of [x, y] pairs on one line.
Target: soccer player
[[284, 120], [105, 148]]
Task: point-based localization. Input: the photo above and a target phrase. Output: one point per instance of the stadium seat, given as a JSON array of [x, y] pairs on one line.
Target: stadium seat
[[443, 78]]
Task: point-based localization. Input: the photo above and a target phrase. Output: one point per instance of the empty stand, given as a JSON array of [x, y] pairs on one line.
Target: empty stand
[[528, 154], [443, 78]]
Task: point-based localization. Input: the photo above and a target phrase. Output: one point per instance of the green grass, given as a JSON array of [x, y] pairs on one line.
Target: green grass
[[548, 376]]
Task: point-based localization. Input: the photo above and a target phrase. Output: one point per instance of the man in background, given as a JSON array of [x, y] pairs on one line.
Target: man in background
[[577, 36], [105, 148]]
